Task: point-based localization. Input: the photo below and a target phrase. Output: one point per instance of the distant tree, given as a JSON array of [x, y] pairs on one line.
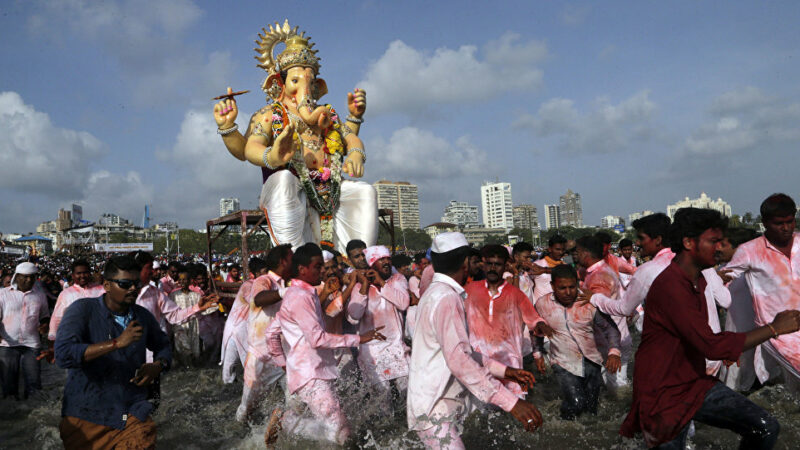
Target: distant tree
[[525, 234], [496, 239], [747, 219]]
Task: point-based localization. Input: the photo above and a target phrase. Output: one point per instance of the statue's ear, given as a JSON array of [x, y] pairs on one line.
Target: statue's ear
[[273, 86], [319, 88]]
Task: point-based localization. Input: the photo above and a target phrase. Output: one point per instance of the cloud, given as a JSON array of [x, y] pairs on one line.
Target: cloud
[[605, 128], [144, 40], [121, 194], [409, 80], [206, 171], [442, 170], [742, 120], [39, 157], [575, 15]]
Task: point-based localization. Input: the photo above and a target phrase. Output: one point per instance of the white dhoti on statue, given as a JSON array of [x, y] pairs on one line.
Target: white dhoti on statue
[[293, 221]]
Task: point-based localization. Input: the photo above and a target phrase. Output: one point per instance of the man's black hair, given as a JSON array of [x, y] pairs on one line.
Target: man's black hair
[[303, 255], [474, 252], [142, 258], [556, 239], [592, 245], [81, 263], [174, 264], [449, 262], [625, 242], [520, 247], [738, 236], [117, 264], [777, 205], [399, 261], [654, 225], [419, 257], [563, 271], [354, 244], [494, 250], [603, 237], [276, 255], [691, 223], [256, 265]]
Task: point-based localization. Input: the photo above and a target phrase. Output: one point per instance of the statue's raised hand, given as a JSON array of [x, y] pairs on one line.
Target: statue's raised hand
[[284, 146], [225, 112], [357, 102]]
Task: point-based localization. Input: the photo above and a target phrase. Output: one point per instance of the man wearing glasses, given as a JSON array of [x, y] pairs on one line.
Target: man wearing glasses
[[102, 341]]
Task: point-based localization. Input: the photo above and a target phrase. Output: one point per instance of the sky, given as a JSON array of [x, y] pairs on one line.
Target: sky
[[633, 105]]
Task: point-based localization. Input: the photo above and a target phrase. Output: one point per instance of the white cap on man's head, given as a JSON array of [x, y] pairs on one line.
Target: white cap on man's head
[[375, 253], [444, 242], [326, 256], [156, 265], [26, 268]]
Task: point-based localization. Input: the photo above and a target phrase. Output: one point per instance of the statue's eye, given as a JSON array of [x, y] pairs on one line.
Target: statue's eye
[[294, 80]]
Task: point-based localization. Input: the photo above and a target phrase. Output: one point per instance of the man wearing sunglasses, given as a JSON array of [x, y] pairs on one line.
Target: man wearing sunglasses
[[102, 341]]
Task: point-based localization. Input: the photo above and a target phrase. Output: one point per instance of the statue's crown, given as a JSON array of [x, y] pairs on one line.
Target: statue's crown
[[298, 51]]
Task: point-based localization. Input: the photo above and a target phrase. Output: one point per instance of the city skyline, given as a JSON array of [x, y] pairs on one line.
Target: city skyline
[[634, 105]]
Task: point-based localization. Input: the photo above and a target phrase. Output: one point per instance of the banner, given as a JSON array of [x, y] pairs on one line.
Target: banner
[[124, 247]]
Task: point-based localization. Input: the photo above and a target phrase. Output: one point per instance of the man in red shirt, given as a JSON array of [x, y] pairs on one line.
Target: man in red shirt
[[670, 385]]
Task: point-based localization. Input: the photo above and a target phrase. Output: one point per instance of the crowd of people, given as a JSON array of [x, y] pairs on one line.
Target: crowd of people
[[440, 334]]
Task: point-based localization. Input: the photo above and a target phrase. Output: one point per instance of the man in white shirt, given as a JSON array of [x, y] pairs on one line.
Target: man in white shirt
[[23, 316], [443, 364]]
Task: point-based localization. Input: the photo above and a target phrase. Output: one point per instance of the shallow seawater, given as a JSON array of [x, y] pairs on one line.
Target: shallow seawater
[[197, 412]]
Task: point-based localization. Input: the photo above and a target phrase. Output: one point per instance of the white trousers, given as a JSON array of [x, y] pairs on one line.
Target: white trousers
[[314, 412], [292, 220]]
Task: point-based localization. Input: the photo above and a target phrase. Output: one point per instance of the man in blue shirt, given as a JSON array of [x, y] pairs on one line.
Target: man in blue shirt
[[102, 342]]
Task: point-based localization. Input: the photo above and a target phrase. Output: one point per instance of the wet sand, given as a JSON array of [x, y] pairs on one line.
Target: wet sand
[[197, 412]]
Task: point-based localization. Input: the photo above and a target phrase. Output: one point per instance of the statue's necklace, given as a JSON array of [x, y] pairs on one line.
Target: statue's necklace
[[303, 128]]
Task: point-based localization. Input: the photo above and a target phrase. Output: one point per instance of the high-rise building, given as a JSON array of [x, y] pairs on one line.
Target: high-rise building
[[64, 221], [461, 213], [571, 210], [228, 206], [496, 204], [638, 215], [703, 201], [526, 217], [401, 197], [552, 216], [112, 220], [611, 221]]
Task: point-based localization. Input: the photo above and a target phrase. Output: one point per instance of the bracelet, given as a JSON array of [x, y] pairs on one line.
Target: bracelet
[[264, 158], [774, 333], [355, 120], [358, 150], [228, 131]]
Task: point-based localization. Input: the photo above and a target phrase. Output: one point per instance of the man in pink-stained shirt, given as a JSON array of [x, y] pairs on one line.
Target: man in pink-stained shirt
[[619, 265], [310, 363], [626, 254], [82, 287], [499, 314], [379, 303], [771, 266], [170, 281], [556, 247], [24, 314], [601, 278], [443, 364], [261, 373]]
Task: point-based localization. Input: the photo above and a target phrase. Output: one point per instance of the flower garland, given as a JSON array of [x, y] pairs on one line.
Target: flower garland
[[322, 187]]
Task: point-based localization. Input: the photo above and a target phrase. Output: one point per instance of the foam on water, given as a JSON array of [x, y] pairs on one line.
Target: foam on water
[[197, 412]]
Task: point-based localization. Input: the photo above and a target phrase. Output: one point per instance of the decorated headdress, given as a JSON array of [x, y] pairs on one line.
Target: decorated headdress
[[298, 52]]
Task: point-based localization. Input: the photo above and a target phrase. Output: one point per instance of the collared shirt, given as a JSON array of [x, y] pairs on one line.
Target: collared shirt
[[670, 381], [497, 323], [100, 391], [387, 359], [774, 281], [302, 325], [258, 318], [575, 332], [187, 334], [236, 324], [603, 279], [444, 367], [67, 297], [625, 278], [541, 282], [638, 287], [21, 314]]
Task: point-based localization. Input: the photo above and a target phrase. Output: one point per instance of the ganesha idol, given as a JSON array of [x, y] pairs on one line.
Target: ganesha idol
[[303, 149]]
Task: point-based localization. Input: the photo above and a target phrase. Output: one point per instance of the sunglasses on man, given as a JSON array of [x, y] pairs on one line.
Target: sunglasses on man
[[126, 284]]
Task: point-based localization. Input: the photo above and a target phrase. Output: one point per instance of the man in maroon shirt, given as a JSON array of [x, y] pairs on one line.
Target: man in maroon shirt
[[670, 385]]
